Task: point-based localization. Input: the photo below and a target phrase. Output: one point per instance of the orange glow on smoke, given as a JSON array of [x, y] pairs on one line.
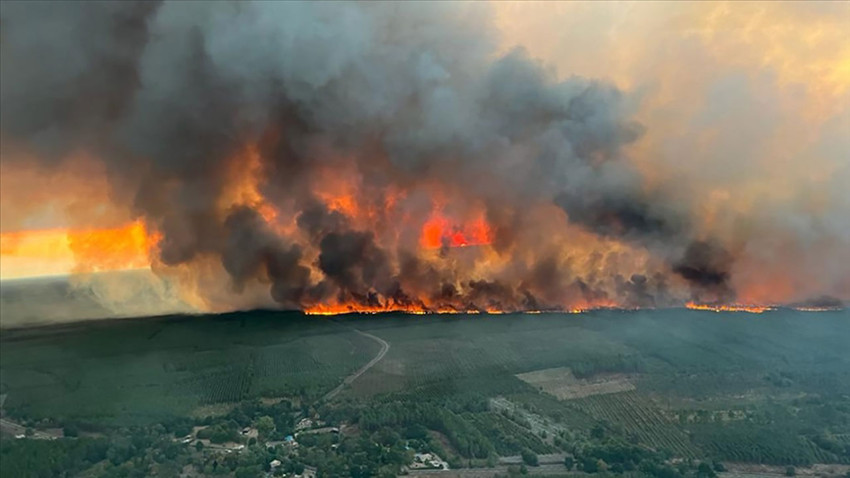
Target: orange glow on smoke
[[126, 247], [420, 218], [344, 204], [63, 251], [246, 171], [439, 231]]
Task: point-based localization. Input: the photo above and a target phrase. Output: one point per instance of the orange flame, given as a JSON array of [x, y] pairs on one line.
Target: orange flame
[[341, 309], [438, 231], [64, 251], [752, 309], [818, 309]]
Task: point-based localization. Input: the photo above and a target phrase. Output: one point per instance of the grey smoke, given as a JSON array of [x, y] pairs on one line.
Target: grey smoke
[[165, 93]]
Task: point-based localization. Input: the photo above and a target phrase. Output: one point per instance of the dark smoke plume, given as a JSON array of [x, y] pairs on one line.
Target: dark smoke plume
[[404, 96]]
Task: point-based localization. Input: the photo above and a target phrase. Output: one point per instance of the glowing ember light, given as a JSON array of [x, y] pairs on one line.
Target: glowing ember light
[[818, 309], [438, 232], [62, 251], [424, 309], [752, 309], [345, 204], [341, 309]]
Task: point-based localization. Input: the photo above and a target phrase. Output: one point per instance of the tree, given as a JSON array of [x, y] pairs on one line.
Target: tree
[[71, 430], [247, 472], [790, 471], [264, 425], [569, 462], [590, 465], [416, 431], [705, 471], [199, 445], [598, 432], [182, 429], [529, 457]]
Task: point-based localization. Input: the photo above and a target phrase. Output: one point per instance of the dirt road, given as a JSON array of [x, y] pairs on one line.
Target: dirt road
[[351, 378], [8, 427]]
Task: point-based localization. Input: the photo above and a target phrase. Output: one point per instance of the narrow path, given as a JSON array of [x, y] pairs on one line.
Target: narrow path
[[347, 381]]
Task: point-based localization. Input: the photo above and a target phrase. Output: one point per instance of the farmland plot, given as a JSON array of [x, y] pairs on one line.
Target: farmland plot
[[561, 383], [639, 417]]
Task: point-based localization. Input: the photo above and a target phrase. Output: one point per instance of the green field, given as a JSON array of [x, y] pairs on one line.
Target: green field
[[735, 387]]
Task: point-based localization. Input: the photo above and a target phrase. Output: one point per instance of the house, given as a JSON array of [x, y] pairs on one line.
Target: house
[[428, 461], [304, 424]]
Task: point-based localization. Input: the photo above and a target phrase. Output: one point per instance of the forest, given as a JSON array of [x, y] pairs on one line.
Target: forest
[[664, 393]]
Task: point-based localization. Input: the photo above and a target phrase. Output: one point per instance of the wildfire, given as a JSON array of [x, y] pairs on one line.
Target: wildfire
[[752, 309], [438, 231], [818, 309], [397, 217], [246, 171], [63, 251], [340, 309]]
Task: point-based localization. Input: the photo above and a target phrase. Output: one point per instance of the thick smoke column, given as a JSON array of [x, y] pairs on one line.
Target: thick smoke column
[[305, 146]]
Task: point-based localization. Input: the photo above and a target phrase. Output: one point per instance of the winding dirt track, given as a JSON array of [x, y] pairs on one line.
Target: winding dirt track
[[347, 381]]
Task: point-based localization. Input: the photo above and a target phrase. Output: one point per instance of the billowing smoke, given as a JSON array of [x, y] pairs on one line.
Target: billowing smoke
[[374, 155]]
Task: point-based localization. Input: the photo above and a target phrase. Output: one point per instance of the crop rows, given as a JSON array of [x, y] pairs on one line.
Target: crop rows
[[507, 437], [639, 418], [771, 447]]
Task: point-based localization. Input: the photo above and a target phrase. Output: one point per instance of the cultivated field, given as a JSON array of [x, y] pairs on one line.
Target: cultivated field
[[561, 383], [736, 386], [771, 388]]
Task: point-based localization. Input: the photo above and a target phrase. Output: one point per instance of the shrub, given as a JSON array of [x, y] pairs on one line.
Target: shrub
[[529, 457]]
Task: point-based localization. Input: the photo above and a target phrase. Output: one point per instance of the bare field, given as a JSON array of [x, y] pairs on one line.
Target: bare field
[[562, 384]]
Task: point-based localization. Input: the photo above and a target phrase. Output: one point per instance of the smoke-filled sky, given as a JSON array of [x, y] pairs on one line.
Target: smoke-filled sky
[[431, 156]]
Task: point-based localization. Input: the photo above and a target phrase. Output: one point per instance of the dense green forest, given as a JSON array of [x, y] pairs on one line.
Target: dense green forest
[[663, 393]]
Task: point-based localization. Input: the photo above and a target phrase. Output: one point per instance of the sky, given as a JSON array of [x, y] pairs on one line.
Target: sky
[[747, 105]]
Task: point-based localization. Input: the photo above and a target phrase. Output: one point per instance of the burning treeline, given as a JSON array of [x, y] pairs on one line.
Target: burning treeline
[[338, 157]]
